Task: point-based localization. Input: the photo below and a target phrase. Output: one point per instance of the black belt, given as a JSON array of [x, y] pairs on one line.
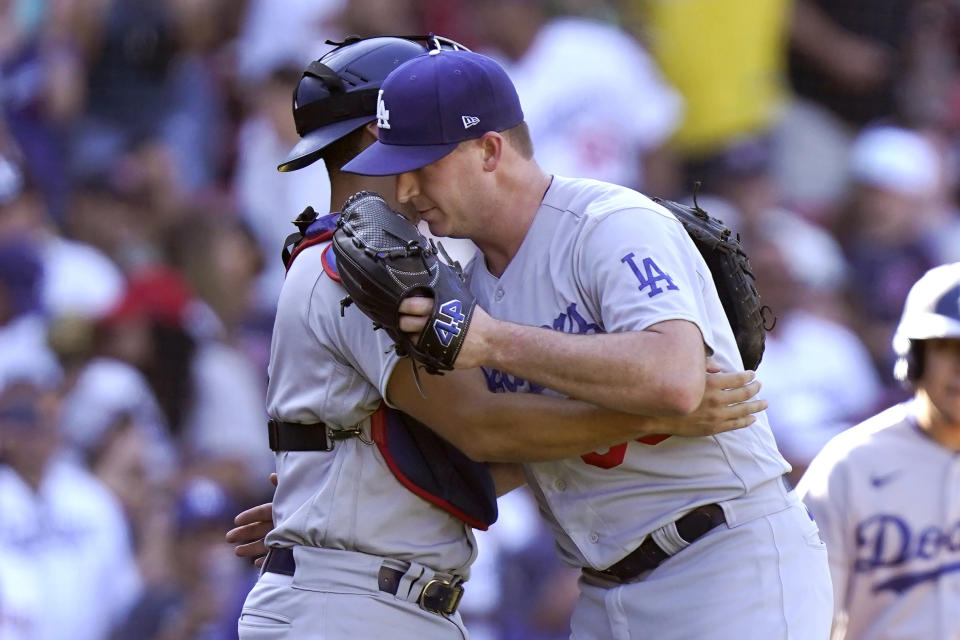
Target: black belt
[[649, 555], [439, 596], [293, 436]]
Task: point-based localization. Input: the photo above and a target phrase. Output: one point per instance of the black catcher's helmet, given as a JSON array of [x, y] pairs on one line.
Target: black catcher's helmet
[[337, 94]]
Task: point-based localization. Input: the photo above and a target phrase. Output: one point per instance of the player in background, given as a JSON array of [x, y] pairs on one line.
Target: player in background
[[886, 492], [354, 553], [676, 537]]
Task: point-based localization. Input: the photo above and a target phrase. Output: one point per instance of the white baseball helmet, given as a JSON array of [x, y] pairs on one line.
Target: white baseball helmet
[[932, 310]]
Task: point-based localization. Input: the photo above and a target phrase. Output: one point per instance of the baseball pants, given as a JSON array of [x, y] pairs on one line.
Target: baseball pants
[[765, 578], [334, 594]]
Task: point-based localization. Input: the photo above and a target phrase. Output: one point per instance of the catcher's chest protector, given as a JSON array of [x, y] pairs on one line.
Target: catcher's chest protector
[[420, 460]]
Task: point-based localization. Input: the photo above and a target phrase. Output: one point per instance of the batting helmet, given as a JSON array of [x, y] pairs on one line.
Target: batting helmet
[[337, 94], [932, 310]]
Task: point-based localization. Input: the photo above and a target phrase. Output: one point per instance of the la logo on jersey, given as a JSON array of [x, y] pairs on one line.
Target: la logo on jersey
[[383, 114], [649, 275], [469, 121], [448, 323]]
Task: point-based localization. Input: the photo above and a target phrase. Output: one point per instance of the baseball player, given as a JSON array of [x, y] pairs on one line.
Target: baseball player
[[885, 492], [594, 291], [365, 546]]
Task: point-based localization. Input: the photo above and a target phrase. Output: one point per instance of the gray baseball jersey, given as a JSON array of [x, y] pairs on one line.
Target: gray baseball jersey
[[335, 370], [887, 499], [612, 260]]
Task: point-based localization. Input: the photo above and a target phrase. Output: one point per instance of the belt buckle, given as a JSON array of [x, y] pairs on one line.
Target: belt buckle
[[436, 602]]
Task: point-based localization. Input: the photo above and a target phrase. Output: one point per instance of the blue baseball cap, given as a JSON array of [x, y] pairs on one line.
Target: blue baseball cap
[[433, 102]]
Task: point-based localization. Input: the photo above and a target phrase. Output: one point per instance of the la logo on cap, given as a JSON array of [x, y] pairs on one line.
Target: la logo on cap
[[383, 114], [469, 121]]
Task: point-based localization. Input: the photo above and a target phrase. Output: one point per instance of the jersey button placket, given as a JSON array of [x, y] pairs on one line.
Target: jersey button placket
[[498, 294], [594, 537]]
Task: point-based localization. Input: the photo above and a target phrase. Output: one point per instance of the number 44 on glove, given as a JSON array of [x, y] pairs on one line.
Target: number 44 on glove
[[383, 259]]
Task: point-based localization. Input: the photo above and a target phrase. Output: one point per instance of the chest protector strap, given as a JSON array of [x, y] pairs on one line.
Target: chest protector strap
[[419, 459]]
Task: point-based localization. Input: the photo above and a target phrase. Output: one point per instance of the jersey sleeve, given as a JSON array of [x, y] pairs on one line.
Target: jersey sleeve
[[366, 351], [824, 489], [639, 267]]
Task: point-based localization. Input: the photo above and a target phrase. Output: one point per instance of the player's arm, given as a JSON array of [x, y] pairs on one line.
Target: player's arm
[[657, 371], [526, 427], [507, 476], [638, 271]]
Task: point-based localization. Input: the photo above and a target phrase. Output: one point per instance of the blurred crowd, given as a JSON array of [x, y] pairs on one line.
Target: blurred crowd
[[142, 217]]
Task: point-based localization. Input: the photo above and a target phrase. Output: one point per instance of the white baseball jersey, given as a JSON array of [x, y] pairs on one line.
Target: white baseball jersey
[[887, 499], [71, 538], [612, 260], [333, 369]]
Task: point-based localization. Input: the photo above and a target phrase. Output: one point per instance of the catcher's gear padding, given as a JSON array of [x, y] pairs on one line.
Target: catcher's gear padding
[[383, 259], [732, 276], [434, 469]]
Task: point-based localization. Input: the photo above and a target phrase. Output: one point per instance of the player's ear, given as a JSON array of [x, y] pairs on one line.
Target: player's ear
[[372, 129], [491, 146]]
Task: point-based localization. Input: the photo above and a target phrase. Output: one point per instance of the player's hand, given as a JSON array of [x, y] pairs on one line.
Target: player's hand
[[729, 402], [252, 527], [415, 311]]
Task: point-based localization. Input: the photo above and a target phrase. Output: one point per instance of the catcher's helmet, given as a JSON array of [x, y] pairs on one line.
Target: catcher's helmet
[[932, 310], [337, 94]]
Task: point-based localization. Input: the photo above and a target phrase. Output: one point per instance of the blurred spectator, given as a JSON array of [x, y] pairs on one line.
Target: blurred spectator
[[129, 50], [851, 63], [816, 373], [146, 330], [114, 220], [202, 593], [209, 394], [61, 522], [587, 116], [110, 404], [24, 353], [41, 92], [268, 200], [155, 99], [894, 173], [77, 278], [302, 25], [21, 597], [731, 75], [367, 18], [227, 419]]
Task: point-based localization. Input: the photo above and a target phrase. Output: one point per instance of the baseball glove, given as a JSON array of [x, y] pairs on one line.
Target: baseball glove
[[383, 259], [735, 283]]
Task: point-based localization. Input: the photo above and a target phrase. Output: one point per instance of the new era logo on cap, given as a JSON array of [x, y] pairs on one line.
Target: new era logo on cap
[[436, 101]]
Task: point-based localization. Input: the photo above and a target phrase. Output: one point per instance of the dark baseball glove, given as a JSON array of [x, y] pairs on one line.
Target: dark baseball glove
[[735, 283], [383, 259]]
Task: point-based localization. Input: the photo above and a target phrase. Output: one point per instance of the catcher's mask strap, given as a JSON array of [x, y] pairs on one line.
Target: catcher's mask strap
[[336, 108]]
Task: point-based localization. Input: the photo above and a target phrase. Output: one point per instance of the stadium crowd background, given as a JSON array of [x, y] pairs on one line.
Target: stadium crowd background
[[141, 220]]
